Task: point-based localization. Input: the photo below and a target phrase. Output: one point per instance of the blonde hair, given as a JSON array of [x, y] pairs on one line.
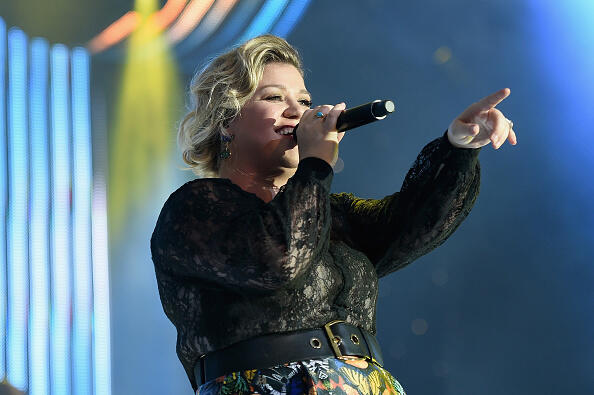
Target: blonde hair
[[219, 91]]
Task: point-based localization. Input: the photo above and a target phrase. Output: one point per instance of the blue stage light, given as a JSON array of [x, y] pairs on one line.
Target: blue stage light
[[290, 17], [18, 199], [101, 313], [264, 20], [3, 201], [39, 221], [60, 231], [81, 225]]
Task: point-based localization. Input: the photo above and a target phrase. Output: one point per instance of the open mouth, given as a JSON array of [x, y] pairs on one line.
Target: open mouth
[[285, 131]]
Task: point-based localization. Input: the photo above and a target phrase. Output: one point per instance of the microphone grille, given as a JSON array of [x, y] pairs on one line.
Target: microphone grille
[[390, 106]]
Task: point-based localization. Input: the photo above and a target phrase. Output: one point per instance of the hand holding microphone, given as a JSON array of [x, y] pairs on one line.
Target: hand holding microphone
[[318, 135], [357, 116]]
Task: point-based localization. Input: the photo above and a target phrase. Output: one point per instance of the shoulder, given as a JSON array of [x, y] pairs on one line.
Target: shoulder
[[203, 202], [204, 190], [342, 200], [200, 198]]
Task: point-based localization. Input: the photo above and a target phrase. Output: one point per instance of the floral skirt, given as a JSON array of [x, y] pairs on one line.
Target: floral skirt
[[330, 376]]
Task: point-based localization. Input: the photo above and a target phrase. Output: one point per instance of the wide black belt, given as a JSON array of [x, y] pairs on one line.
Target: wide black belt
[[336, 339]]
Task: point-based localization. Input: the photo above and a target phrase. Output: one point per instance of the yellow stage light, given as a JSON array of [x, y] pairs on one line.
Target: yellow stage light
[[142, 136]]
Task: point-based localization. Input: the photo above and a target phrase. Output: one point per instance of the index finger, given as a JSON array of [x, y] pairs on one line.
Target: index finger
[[333, 115], [488, 102]]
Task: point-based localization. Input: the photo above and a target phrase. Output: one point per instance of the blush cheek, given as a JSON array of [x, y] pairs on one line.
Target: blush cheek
[[271, 146], [256, 125], [260, 144]]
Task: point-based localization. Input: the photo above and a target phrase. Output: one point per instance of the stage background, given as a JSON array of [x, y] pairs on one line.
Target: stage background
[[505, 305]]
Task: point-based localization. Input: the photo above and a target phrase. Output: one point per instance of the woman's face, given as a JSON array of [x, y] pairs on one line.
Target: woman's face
[[279, 100]]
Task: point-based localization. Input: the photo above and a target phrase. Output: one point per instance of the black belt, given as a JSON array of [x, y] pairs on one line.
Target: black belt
[[336, 339]]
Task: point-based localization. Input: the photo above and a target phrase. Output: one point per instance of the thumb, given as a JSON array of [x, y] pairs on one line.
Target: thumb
[[460, 129], [471, 129]]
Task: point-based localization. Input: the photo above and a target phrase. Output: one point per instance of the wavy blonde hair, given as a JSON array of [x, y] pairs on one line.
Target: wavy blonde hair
[[219, 91]]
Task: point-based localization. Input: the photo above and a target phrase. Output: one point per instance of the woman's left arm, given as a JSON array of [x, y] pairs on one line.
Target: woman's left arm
[[437, 194]]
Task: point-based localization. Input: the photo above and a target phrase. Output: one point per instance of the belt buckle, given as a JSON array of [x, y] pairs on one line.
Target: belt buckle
[[335, 341]]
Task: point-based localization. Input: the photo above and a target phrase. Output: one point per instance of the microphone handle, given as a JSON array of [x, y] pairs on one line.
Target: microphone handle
[[366, 113], [361, 115]]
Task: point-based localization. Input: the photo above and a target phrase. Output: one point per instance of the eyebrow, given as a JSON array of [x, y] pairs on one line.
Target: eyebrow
[[284, 88]]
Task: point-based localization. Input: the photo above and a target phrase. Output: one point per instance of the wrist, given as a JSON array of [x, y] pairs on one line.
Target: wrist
[[326, 152], [453, 141]]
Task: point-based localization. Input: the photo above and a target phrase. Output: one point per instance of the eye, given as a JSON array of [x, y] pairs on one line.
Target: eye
[[304, 102]]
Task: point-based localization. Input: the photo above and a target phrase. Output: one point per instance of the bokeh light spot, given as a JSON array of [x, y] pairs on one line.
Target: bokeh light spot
[[442, 55], [419, 326]]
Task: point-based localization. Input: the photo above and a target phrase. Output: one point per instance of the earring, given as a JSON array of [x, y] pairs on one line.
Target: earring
[[225, 153]]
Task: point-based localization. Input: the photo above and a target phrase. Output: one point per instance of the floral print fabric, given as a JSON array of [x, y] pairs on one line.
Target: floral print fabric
[[331, 376]]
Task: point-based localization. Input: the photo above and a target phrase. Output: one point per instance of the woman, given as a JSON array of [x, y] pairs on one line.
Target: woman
[[271, 280]]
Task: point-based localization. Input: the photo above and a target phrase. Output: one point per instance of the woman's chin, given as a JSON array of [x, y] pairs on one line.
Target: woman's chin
[[290, 159], [289, 156]]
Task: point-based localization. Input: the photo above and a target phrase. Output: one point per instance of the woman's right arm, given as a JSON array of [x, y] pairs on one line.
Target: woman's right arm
[[206, 232]]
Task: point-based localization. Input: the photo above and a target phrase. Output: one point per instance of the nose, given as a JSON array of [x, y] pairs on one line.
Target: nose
[[294, 109]]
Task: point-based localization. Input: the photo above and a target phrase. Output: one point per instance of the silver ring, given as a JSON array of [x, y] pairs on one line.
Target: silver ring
[[511, 124]]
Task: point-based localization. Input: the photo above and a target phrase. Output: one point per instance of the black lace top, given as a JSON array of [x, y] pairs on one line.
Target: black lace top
[[230, 267]]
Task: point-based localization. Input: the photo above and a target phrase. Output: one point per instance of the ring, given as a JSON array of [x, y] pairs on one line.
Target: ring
[[511, 124], [320, 114]]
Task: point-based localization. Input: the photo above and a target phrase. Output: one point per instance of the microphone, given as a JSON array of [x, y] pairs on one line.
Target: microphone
[[361, 115]]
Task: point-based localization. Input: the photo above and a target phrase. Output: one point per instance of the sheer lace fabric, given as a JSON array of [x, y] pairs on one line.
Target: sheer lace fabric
[[230, 267]]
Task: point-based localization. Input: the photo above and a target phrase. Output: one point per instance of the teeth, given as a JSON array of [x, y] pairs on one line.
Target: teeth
[[285, 130]]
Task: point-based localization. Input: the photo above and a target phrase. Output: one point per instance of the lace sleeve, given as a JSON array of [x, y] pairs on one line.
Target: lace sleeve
[[226, 236], [437, 194]]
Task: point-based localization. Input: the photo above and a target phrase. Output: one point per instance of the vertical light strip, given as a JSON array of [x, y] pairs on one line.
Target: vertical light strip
[[264, 20], [18, 199], [3, 201], [102, 341], [101, 311], [81, 225], [290, 17], [60, 225], [39, 221]]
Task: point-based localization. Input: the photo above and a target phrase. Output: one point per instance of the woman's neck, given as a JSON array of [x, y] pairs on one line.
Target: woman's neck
[[265, 185]]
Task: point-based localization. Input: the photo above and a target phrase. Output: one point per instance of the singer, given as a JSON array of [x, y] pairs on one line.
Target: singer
[[271, 280]]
